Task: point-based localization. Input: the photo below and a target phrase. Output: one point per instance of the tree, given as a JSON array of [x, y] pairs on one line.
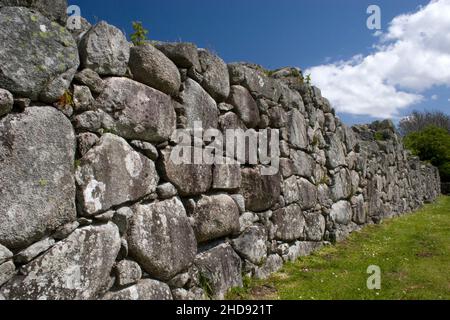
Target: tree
[[418, 121], [140, 34], [432, 144]]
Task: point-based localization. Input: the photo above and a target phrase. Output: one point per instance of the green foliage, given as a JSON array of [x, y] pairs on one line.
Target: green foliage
[[379, 136], [139, 37], [205, 285], [308, 79], [433, 145], [412, 252], [66, 99]]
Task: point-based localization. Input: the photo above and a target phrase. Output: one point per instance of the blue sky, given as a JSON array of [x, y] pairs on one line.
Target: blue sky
[[303, 33]]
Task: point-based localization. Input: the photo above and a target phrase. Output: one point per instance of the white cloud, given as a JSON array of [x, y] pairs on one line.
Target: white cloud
[[411, 57], [434, 97]]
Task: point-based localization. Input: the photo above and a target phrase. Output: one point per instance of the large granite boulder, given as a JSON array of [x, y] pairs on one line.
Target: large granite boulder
[[289, 223], [38, 58], [342, 185], [137, 112], [189, 178], [215, 217], [161, 238], [245, 106], [76, 268], [221, 269], [199, 106], [183, 54], [37, 194], [335, 152], [151, 67], [296, 125], [113, 173], [308, 194], [341, 212], [215, 75], [315, 226], [261, 192], [6, 102], [54, 10], [144, 290], [251, 244], [105, 49]]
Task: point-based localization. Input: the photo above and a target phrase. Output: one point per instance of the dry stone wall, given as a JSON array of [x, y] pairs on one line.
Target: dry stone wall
[[93, 206]]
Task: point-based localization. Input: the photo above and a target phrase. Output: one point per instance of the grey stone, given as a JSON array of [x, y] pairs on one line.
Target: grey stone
[[86, 141], [342, 185], [122, 219], [278, 117], [215, 75], [38, 58], [335, 152], [128, 176], [341, 212], [183, 54], [6, 102], [82, 98], [315, 226], [303, 164], [245, 106], [225, 107], [297, 130], [37, 149], [286, 167], [360, 210], [161, 238], [137, 112], [78, 30], [289, 223], [273, 264], [255, 81], [247, 219], [166, 191], [260, 192], [199, 106], [91, 79], [65, 230], [195, 294], [189, 179], [127, 272], [180, 280], [54, 10], [146, 289], [231, 121], [74, 269], [227, 175], [146, 148], [221, 269], [33, 251], [7, 271], [105, 217], [88, 121], [5, 254], [215, 217], [251, 244], [308, 194], [240, 202], [105, 49], [291, 190], [151, 67]]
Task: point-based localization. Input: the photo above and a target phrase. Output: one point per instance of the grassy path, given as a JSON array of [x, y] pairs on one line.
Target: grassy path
[[412, 251]]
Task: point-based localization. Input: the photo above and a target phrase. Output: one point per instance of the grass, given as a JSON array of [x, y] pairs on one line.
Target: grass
[[412, 251]]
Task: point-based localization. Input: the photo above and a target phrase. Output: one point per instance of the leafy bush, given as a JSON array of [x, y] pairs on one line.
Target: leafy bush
[[139, 37], [433, 145]]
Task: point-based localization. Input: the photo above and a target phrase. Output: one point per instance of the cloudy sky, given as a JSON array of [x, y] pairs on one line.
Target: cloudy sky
[[366, 74]]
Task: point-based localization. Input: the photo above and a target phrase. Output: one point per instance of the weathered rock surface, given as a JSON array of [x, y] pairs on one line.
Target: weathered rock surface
[[6, 102], [183, 54], [289, 223], [33, 251], [199, 106], [227, 175], [298, 136], [245, 106], [260, 192], [85, 260], [215, 217], [137, 111], [215, 75], [38, 58], [315, 226], [251, 244], [127, 272], [341, 212], [221, 268], [54, 10], [37, 151], [145, 290], [161, 238], [128, 176], [5, 254], [105, 50], [189, 179], [151, 67], [7, 271]]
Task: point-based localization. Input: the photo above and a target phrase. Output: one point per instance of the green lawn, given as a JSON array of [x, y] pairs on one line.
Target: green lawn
[[412, 251]]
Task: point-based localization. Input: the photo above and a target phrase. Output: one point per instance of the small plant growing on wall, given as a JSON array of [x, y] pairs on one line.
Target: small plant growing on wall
[[139, 37]]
